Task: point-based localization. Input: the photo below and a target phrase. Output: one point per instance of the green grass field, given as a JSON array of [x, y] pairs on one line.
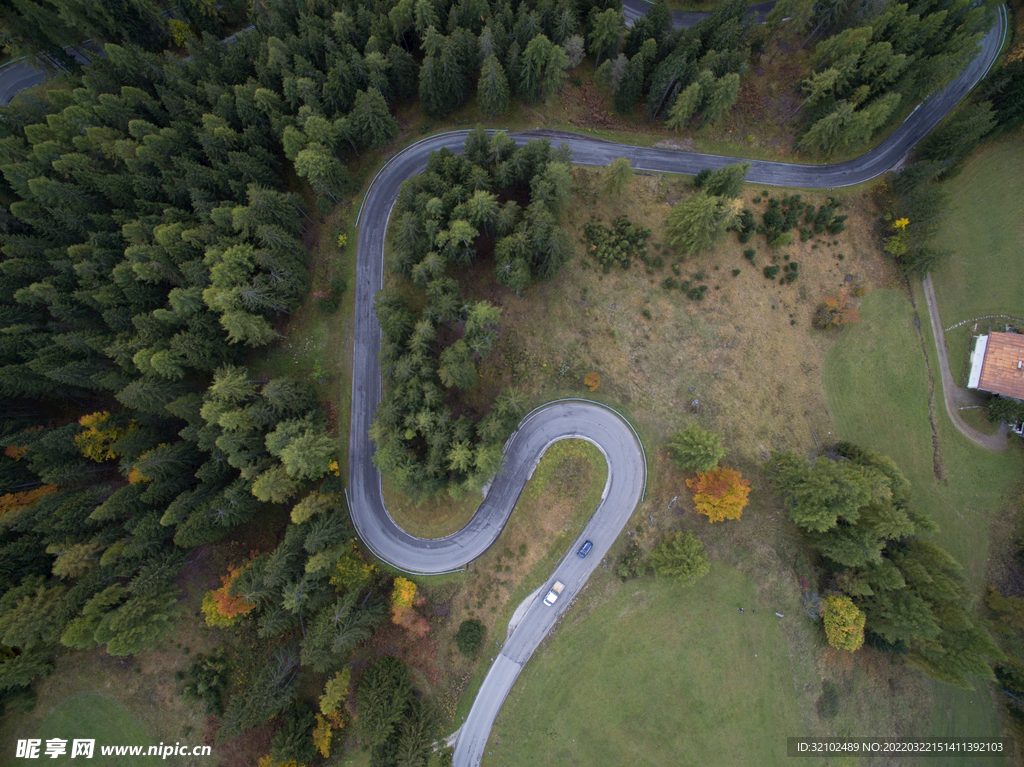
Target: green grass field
[[92, 716], [877, 387], [658, 674], [984, 230]]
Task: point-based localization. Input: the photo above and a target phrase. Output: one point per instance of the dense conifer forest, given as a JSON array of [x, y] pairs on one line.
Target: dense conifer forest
[[150, 245]]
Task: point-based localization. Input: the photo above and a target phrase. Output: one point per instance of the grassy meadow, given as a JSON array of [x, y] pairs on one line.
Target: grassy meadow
[[877, 384], [656, 673], [984, 233], [101, 718]]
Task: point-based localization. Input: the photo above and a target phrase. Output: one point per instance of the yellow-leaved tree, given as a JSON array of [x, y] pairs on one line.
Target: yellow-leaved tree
[[101, 432], [331, 716], [844, 623], [403, 609], [720, 493]]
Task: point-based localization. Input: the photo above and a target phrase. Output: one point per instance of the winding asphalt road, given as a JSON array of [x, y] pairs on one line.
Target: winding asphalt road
[[560, 420]]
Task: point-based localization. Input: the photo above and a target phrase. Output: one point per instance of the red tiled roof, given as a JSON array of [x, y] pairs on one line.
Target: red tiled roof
[[1002, 371]]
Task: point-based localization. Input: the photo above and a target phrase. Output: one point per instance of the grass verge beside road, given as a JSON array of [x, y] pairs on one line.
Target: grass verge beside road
[[556, 503]]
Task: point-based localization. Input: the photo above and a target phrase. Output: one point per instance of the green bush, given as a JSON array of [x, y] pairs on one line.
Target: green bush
[[828, 702], [207, 681], [327, 304], [1003, 410], [696, 449], [774, 218], [681, 557], [617, 245], [338, 284], [470, 637], [771, 271], [837, 225], [630, 565]]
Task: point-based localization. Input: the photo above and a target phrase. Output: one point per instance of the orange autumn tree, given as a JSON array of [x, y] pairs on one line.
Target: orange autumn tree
[[12, 501], [403, 610], [592, 380], [220, 608], [836, 311], [15, 451], [721, 493]]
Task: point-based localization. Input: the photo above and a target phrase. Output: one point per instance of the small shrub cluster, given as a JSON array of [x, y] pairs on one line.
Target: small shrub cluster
[[746, 227], [618, 245], [782, 216], [329, 304], [789, 272], [470, 637], [630, 565], [692, 291], [826, 220], [207, 681], [836, 311]]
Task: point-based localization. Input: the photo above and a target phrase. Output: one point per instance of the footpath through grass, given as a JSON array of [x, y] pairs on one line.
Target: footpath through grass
[[658, 674]]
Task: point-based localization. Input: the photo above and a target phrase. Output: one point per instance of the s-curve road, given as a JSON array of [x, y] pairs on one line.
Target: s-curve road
[[560, 420], [626, 464], [377, 529]]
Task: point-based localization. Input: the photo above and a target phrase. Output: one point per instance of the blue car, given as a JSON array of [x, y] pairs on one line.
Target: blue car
[[584, 550]]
